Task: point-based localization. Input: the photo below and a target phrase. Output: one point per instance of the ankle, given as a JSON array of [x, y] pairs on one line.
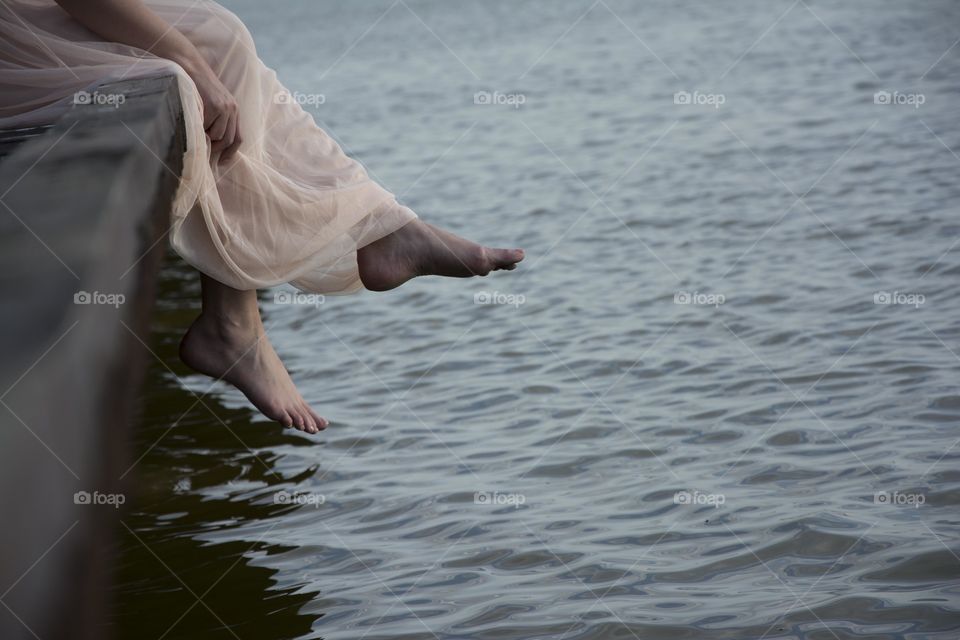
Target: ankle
[[229, 327]]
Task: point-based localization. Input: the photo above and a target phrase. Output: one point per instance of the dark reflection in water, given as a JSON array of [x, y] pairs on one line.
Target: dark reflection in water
[[172, 581]]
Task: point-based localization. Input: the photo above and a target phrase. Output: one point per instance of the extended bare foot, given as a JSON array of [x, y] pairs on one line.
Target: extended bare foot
[[420, 249], [238, 352]]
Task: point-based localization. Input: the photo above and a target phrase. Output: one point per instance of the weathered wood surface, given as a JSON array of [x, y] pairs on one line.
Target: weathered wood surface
[[10, 139], [84, 207]]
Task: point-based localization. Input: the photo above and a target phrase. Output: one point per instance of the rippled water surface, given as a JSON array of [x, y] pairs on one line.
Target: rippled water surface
[[592, 458]]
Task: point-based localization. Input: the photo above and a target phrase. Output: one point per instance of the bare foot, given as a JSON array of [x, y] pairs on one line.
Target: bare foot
[[241, 355], [420, 249]]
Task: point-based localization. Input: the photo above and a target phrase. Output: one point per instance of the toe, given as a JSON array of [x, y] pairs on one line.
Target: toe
[[310, 426], [275, 411], [508, 258], [321, 422], [298, 420], [309, 420]]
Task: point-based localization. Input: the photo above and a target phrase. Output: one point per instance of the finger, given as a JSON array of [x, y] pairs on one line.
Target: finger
[[219, 145], [235, 147], [209, 116], [231, 140], [216, 130], [215, 145], [228, 134]]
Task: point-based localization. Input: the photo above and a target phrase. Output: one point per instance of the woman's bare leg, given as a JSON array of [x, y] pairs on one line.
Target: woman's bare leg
[[227, 341]]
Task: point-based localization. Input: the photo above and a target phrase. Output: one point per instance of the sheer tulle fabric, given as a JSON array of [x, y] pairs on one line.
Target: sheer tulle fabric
[[290, 207]]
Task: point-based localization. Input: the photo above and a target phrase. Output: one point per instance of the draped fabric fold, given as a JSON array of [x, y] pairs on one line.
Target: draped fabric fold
[[290, 206]]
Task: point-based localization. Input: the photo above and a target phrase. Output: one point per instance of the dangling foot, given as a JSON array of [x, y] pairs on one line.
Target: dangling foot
[[240, 354], [420, 249]]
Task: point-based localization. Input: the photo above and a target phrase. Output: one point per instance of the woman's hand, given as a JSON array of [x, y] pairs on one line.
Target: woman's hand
[[220, 113], [134, 23]]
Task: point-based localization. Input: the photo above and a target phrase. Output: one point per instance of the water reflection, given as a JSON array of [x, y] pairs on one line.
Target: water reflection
[[180, 574]]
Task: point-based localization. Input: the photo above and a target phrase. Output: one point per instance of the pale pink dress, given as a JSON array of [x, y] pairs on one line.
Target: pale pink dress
[[292, 207]]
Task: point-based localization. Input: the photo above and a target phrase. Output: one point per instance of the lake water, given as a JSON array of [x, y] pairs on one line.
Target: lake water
[[718, 400]]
